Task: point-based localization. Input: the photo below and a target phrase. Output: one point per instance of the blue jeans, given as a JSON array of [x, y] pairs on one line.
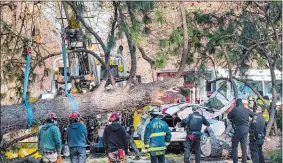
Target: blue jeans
[[78, 154]]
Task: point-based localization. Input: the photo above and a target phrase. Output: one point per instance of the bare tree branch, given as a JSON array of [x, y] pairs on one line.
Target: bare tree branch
[[7, 145], [145, 57]]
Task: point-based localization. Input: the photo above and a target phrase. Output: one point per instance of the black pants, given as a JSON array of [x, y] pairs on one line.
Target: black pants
[[195, 144], [256, 152], [242, 138], [135, 149], [157, 159]]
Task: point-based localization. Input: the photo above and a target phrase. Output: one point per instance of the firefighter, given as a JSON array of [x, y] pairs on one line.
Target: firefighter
[[49, 139], [193, 124], [239, 117], [157, 137], [256, 135], [115, 140], [77, 138]]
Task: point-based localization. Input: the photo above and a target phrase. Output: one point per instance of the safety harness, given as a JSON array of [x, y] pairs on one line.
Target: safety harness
[[70, 97], [25, 101]]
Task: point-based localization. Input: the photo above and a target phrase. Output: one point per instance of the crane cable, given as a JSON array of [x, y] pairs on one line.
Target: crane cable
[[63, 37]]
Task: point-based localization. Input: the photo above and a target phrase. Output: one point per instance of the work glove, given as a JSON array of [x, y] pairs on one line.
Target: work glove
[[167, 144]]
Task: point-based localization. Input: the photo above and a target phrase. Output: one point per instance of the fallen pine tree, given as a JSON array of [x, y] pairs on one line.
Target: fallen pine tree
[[15, 116]]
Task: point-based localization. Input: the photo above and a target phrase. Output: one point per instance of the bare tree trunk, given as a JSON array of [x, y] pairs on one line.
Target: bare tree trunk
[[131, 47], [275, 127], [274, 96], [186, 42]]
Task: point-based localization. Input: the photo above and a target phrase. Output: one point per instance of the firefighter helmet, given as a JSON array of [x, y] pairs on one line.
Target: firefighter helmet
[[155, 111]]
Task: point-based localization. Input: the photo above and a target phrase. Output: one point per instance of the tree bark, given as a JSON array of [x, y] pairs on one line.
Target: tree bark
[[186, 40], [274, 96], [92, 103], [26, 159]]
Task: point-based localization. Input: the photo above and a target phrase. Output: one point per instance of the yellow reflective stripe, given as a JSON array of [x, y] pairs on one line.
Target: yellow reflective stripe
[[167, 144], [156, 149], [157, 134], [146, 145], [260, 102]]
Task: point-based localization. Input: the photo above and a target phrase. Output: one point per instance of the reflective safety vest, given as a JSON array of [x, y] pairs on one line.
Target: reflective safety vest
[[265, 113], [157, 135]]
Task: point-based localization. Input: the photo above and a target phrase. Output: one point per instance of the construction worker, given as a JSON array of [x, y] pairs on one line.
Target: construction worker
[[115, 140], [263, 106], [256, 135], [193, 125], [77, 138], [267, 108], [239, 117], [49, 139], [157, 137]]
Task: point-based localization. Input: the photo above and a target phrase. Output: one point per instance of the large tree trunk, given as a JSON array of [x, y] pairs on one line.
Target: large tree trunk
[[15, 116], [215, 148]]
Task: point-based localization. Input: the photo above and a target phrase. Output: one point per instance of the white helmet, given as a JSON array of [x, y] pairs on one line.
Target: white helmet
[[155, 111]]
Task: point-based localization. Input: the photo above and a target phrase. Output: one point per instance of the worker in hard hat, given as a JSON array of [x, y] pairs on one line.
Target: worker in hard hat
[[77, 138], [157, 137], [49, 139], [115, 140], [193, 123], [266, 109], [252, 103]]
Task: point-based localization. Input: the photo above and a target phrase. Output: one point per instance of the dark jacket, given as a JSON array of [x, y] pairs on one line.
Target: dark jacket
[[115, 137], [76, 135], [194, 122], [257, 125], [239, 117]]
